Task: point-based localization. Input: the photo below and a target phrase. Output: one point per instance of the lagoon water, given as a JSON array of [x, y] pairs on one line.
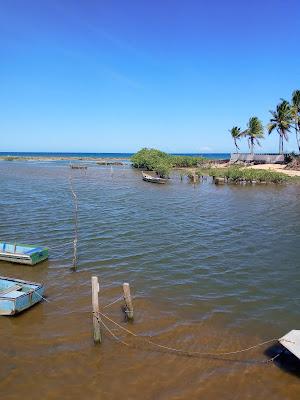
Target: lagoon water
[[212, 269]]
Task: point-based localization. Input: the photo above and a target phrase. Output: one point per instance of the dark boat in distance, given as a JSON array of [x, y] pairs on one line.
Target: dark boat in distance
[[153, 179], [78, 166]]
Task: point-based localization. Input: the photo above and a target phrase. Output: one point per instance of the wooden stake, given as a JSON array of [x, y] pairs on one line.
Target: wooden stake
[[96, 315], [75, 198], [128, 300]]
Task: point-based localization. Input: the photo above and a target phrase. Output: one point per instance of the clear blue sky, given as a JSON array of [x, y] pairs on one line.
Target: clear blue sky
[[118, 75]]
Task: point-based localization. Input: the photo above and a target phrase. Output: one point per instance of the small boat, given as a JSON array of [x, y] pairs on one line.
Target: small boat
[[153, 179], [22, 254], [78, 166], [17, 295], [291, 341]]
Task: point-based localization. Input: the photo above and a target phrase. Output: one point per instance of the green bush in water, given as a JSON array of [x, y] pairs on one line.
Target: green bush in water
[[162, 163], [187, 161], [152, 160], [246, 174], [9, 158]]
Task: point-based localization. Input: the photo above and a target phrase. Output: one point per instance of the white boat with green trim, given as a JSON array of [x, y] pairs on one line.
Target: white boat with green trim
[[22, 254]]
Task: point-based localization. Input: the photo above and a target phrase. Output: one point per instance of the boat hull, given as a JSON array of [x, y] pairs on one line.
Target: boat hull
[[152, 179], [22, 254], [16, 301]]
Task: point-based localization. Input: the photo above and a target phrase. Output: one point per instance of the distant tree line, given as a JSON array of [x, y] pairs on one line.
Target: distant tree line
[[285, 118]]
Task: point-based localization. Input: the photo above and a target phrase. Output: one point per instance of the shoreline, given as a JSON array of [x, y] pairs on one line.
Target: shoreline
[[219, 163], [267, 167], [63, 158]]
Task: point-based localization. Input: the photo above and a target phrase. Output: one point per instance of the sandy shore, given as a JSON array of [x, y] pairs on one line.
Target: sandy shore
[[276, 168], [271, 167]]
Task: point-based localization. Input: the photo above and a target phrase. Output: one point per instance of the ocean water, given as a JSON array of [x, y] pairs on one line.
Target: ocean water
[[212, 269], [105, 155]]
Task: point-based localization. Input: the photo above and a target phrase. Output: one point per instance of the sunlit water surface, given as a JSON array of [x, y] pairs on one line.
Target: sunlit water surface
[[212, 268]]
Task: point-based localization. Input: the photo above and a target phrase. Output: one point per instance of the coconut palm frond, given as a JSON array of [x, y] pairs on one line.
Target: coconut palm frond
[[296, 99], [255, 128], [281, 120], [235, 132], [271, 126]]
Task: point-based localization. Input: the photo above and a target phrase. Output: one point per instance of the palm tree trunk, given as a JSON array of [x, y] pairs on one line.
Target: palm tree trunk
[[252, 145], [297, 136], [236, 146], [279, 144]]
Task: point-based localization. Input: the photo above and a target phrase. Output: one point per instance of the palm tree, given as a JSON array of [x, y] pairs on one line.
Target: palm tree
[[236, 134], [281, 121], [296, 114], [254, 132]]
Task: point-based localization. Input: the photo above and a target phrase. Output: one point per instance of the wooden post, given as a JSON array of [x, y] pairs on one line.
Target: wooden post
[[96, 315], [128, 301]]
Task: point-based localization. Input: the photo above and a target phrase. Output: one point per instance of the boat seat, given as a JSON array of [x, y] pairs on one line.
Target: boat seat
[[10, 289]]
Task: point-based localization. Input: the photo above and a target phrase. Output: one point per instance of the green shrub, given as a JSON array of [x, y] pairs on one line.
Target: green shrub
[[9, 158], [186, 161], [152, 160], [237, 174], [161, 163]]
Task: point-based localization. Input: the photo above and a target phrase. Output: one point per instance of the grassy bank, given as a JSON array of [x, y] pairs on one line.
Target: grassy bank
[[162, 163], [247, 175]]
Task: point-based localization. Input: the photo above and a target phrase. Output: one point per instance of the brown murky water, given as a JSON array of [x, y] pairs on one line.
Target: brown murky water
[[212, 269]]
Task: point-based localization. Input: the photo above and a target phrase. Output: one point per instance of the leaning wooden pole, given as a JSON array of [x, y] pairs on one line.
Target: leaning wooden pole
[[75, 240], [96, 315], [128, 301]]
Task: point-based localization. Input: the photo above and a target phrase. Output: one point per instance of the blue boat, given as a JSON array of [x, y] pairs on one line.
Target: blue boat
[[22, 254], [17, 295]]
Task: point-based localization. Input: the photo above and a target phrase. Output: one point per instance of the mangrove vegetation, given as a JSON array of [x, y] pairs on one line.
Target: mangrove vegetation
[[235, 174], [162, 163]]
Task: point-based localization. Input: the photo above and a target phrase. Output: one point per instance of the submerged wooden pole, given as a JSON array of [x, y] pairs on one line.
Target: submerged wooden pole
[[128, 300], [75, 198], [96, 315]]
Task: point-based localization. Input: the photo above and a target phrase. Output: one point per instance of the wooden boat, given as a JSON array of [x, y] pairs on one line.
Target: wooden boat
[[22, 254], [17, 295], [78, 166], [153, 179]]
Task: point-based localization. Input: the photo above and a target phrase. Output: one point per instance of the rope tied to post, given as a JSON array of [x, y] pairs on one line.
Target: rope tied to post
[[182, 351]]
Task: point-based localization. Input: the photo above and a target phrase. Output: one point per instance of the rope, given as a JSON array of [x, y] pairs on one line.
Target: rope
[[114, 302], [48, 301], [108, 329], [193, 353]]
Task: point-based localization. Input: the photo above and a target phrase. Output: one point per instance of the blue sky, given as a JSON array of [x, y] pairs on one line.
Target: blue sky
[[104, 76]]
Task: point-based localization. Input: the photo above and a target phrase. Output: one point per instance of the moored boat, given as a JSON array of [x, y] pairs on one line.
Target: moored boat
[[22, 254], [17, 295], [153, 179], [78, 166]]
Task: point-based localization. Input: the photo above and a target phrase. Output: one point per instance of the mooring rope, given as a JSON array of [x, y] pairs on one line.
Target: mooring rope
[[173, 349], [114, 336], [48, 301], [192, 353], [114, 302]]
